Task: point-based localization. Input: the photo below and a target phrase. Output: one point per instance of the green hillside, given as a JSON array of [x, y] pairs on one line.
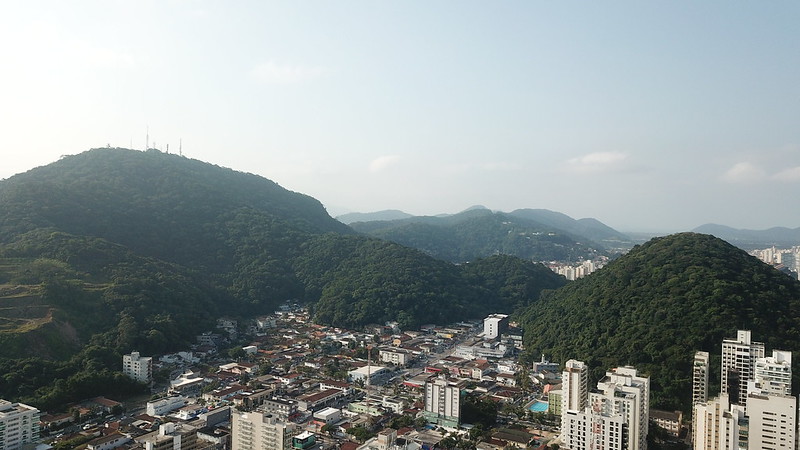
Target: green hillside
[[113, 250], [479, 233], [657, 305]]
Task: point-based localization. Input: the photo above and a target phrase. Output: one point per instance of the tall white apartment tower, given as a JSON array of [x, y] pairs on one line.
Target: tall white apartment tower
[[772, 421], [575, 386], [622, 392], [773, 374], [771, 409], [19, 425], [442, 403], [616, 416], [574, 394], [739, 357], [140, 368], [700, 378]]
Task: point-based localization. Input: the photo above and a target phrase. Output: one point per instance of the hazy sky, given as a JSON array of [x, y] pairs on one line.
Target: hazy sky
[[645, 115]]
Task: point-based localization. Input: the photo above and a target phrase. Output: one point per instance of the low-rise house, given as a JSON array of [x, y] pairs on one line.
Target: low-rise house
[[108, 442], [187, 384], [162, 407], [670, 421], [319, 400]]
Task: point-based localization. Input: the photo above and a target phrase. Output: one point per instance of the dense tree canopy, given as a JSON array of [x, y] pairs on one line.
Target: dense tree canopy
[[657, 305]]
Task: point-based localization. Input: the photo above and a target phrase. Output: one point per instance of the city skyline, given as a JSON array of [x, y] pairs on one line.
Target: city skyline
[[685, 111]]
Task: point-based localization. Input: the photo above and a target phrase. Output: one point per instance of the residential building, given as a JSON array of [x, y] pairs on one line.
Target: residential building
[[588, 429], [719, 425], [773, 374], [442, 403], [615, 416], [772, 421], [669, 421], [172, 436], [396, 356], [739, 357], [166, 405], [574, 386], [495, 325], [375, 374], [140, 368], [258, 430], [19, 425], [700, 378]]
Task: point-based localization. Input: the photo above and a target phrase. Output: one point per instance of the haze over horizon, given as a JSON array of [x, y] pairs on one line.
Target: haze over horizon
[[647, 117]]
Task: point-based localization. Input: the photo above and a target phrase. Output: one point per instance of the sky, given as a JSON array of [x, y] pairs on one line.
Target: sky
[[648, 116]]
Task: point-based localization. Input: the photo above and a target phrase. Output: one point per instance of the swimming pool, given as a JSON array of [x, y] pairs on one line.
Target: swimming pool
[[539, 407]]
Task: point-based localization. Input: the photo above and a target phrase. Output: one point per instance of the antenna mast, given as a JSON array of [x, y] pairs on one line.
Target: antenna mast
[[147, 139]]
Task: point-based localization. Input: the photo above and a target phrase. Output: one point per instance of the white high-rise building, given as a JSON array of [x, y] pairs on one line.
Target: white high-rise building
[[772, 420], [258, 430], [19, 425], [717, 425], [614, 417], [140, 368], [738, 365], [771, 409], [495, 325], [700, 378], [622, 392], [773, 374], [442, 403], [575, 386]]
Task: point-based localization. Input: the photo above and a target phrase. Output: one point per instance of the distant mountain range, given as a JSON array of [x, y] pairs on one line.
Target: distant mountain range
[[780, 237], [533, 234]]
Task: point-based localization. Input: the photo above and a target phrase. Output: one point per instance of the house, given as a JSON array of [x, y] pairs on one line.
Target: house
[[113, 440]]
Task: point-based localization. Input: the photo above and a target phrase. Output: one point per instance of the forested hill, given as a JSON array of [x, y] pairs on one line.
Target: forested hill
[[157, 204], [113, 250], [657, 305], [479, 232]]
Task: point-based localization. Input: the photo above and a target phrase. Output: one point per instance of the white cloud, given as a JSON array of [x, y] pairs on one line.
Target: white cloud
[[380, 164], [597, 162], [791, 174], [744, 172], [273, 73]]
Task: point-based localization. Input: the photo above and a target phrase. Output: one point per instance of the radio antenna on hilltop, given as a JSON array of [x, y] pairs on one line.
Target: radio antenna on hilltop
[[147, 139], [180, 146]]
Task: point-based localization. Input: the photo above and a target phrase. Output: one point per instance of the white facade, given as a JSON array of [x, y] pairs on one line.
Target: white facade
[[772, 422], [738, 365], [260, 431], [165, 405], [586, 430], [717, 424], [773, 374], [19, 425], [700, 378], [140, 368], [495, 325], [575, 386], [614, 417], [442, 403], [623, 393], [395, 356]]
